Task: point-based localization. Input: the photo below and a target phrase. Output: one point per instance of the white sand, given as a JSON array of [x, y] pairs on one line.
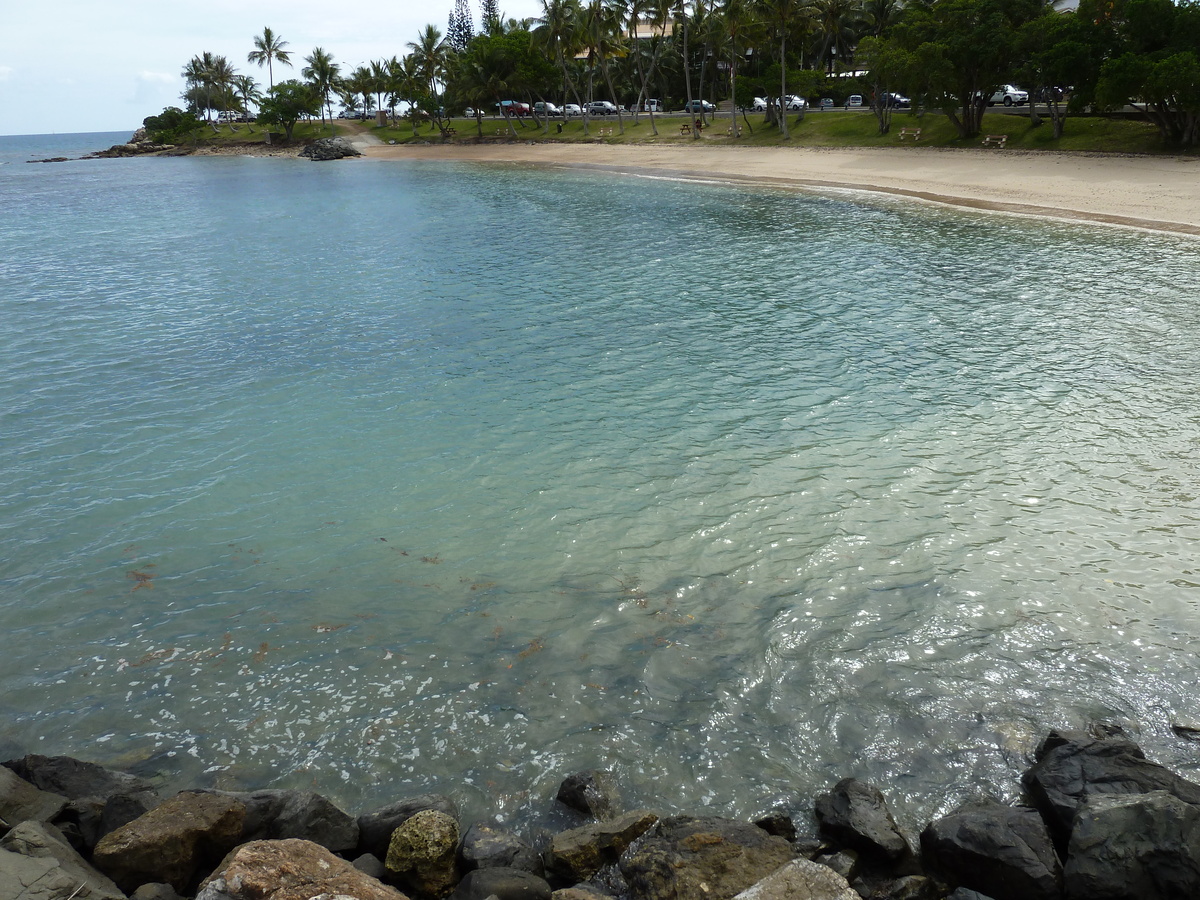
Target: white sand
[[1160, 193]]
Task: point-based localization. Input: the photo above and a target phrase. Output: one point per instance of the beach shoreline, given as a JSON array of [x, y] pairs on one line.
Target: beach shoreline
[[1140, 192]]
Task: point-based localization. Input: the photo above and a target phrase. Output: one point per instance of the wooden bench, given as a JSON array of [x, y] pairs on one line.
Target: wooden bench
[[448, 132], [995, 140], [685, 128], [914, 133]]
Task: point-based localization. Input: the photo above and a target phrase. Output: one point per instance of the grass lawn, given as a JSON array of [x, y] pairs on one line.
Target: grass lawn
[[830, 128]]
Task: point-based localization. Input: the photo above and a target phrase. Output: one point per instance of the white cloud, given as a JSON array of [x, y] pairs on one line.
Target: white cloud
[[156, 77], [5, 71]]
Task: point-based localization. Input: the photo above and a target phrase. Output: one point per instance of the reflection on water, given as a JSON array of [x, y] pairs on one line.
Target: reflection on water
[[397, 477]]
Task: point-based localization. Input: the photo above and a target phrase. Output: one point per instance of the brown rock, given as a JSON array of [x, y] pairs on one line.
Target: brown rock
[[171, 843], [580, 853], [290, 870]]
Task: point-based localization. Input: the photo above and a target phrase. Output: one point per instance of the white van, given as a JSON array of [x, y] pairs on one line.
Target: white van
[[653, 106]]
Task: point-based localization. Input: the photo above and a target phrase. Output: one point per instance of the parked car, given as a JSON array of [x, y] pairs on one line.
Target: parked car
[[695, 106], [826, 103], [653, 106], [854, 101], [546, 109], [514, 108], [469, 112], [571, 109], [759, 104], [896, 101], [601, 108], [791, 101], [1009, 95]]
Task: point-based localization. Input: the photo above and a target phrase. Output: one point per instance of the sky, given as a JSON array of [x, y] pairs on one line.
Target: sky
[[88, 65]]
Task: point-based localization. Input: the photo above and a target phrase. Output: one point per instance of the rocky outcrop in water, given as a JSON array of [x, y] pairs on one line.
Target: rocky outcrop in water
[[1101, 822], [329, 148]]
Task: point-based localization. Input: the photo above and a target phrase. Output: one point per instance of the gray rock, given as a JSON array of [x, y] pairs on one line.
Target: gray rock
[[1073, 765], [329, 148], [963, 893], [173, 843], [778, 823], [73, 778], [855, 815], [20, 801], [1143, 846], [281, 814], [844, 862], [593, 793], [910, 887], [27, 878], [709, 858], [580, 892], [372, 865], [121, 809], [991, 847], [155, 892], [375, 828], [484, 847], [40, 841], [801, 879], [290, 870], [423, 853], [579, 853], [502, 883]]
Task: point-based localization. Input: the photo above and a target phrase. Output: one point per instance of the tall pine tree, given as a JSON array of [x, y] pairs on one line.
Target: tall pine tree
[[462, 28], [490, 16]]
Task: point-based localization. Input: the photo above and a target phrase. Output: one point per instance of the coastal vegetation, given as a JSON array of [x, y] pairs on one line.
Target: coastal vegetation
[[943, 58]]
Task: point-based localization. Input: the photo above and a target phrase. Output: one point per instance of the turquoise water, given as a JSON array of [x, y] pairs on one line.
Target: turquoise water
[[392, 477]]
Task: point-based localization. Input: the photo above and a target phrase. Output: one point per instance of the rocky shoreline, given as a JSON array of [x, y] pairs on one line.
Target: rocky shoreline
[[1102, 823], [140, 145]]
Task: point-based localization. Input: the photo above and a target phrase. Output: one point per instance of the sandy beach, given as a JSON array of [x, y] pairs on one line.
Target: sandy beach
[[1158, 193]]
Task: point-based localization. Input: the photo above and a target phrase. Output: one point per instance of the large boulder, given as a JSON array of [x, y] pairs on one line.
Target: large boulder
[[801, 879], [29, 878], [854, 814], [73, 778], [423, 851], [503, 884], [1003, 850], [173, 843], [705, 858], [1073, 765], [1134, 847], [20, 800], [290, 870], [593, 793], [579, 853], [329, 148], [484, 847], [375, 828], [303, 815], [45, 842]]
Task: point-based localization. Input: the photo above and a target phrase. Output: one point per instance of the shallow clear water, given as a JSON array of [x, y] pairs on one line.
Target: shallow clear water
[[391, 477]]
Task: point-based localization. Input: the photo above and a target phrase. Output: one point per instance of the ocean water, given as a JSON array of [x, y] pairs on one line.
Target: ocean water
[[392, 477]]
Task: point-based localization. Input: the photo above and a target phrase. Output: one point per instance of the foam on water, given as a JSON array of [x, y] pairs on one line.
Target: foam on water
[[394, 477]]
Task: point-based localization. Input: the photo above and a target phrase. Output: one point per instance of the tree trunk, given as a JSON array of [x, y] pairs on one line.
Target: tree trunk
[[782, 86]]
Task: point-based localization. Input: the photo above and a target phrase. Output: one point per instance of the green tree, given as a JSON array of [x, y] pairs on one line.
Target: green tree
[[268, 48], [322, 73], [786, 19], [172, 126], [247, 92], [287, 102]]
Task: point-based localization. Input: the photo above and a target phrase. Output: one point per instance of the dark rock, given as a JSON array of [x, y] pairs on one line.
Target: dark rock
[[778, 823], [800, 879], [484, 847], [329, 148], [423, 852], [708, 858], [580, 892], [155, 892], [1073, 765], [963, 893], [371, 865], [844, 862], [855, 815], [502, 883], [80, 822], [579, 853], [121, 809], [44, 842], [1185, 731], [173, 843], [1136, 846], [592, 793], [303, 815], [20, 801], [991, 847], [290, 870], [73, 778], [375, 828], [910, 887]]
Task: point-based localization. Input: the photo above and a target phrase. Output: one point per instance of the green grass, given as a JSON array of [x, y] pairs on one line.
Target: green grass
[[831, 128], [241, 133]]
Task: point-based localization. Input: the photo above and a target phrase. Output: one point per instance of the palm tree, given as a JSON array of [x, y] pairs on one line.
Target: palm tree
[[558, 31], [360, 82], [602, 34], [248, 92], [739, 19], [837, 21], [786, 17], [269, 48], [430, 53], [322, 74], [209, 82]]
